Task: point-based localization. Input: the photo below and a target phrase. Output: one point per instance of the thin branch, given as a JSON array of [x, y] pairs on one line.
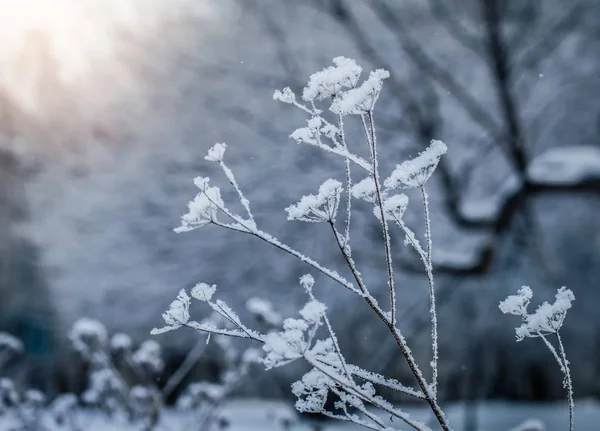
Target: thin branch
[[432, 307], [327, 370], [348, 186], [372, 140], [188, 363], [568, 381]]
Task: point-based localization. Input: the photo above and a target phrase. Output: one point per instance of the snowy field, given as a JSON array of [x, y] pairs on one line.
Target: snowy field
[[260, 415]]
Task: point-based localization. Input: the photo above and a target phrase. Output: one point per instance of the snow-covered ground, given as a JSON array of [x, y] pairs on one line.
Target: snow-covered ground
[[261, 415]]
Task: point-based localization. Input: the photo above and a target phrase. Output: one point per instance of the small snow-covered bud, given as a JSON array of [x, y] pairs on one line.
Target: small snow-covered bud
[[330, 81], [202, 182], [203, 292], [177, 315], [313, 312], [361, 100], [547, 319], [365, 190], [307, 281], [286, 95], [330, 131], [318, 208], [517, 304], [416, 172], [216, 153], [203, 209]]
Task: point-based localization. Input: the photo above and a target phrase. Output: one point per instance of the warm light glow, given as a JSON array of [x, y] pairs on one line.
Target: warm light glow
[[74, 30], [63, 40]]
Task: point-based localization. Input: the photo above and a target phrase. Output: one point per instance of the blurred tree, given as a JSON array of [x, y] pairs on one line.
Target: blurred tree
[[504, 83], [26, 308]]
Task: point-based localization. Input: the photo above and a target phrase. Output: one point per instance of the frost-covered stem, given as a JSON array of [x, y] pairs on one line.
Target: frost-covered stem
[[377, 421], [414, 368], [412, 240], [398, 337], [568, 382], [347, 418], [372, 140], [553, 351], [382, 381], [189, 361], [349, 261], [231, 177], [432, 307], [216, 331], [334, 339], [353, 389], [348, 185], [278, 244]]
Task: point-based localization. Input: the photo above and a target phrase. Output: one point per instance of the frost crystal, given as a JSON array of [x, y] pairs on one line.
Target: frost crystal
[[416, 172], [216, 153], [313, 312], [308, 134], [365, 190], [547, 319], [318, 208], [330, 81], [203, 292], [177, 315], [393, 207], [203, 209], [307, 281], [286, 95], [361, 100], [312, 392], [517, 304], [330, 131], [283, 347]]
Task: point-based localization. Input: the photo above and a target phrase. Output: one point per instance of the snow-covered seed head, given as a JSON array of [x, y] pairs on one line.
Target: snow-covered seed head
[[416, 172], [88, 336], [330, 81], [286, 95], [216, 153]]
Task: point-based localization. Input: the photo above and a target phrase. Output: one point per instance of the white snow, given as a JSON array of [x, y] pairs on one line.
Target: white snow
[[203, 292], [365, 190], [565, 165], [177, 315], [318, 208], [416, 172], [547, 319], [330, 81], [361, 100], [203, 209], [216, 153]]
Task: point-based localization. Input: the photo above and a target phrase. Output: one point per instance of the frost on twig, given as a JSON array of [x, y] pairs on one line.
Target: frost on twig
[[318, 208], [546, 320], [416, 172], [339, 88]]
